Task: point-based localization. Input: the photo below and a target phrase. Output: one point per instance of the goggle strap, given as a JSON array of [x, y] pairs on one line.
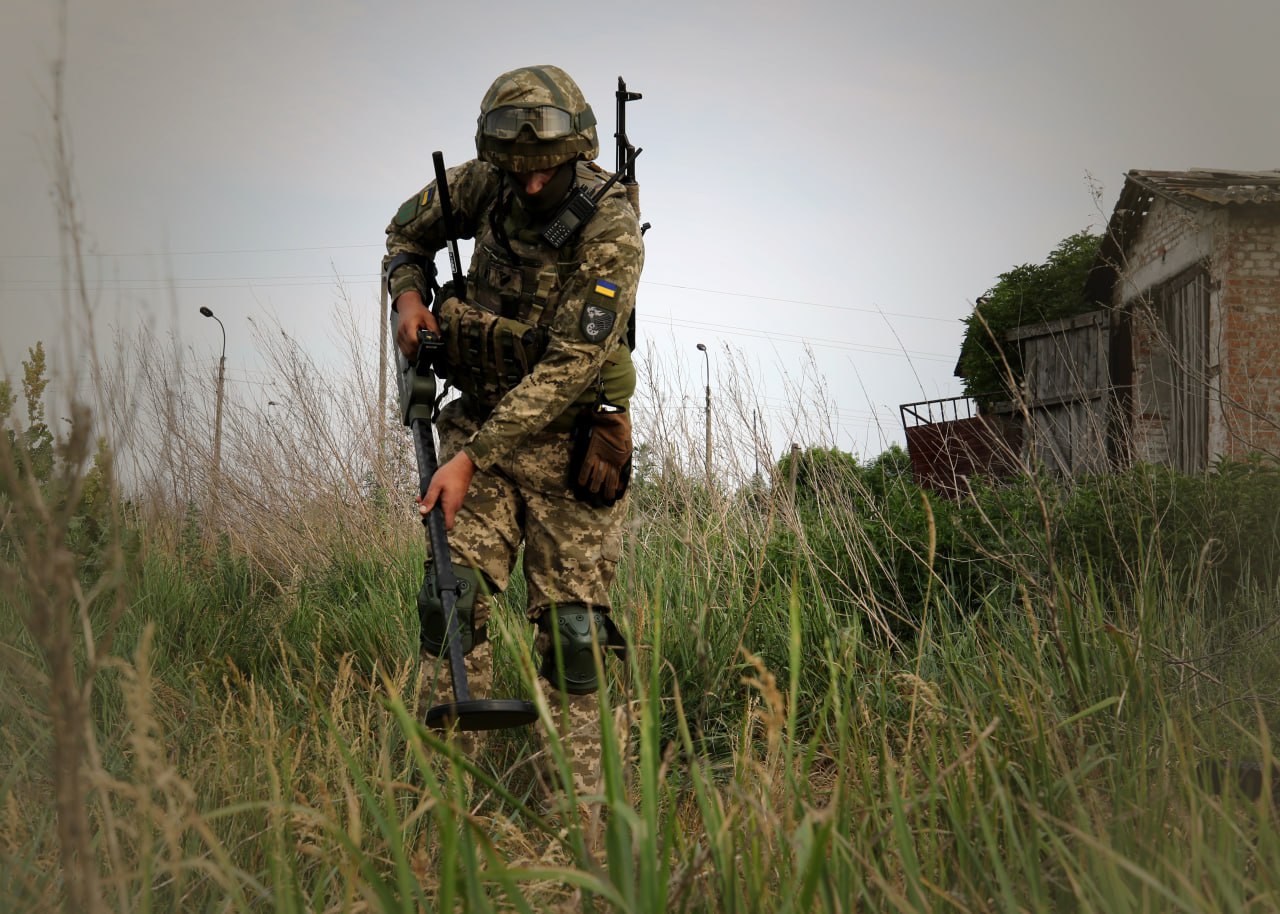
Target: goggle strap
[[556, 95]]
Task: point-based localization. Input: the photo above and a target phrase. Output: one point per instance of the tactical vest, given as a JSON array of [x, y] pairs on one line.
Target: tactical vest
[[496, 338]]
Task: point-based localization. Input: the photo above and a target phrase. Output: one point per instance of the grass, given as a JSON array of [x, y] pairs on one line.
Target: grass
[[255, 744]]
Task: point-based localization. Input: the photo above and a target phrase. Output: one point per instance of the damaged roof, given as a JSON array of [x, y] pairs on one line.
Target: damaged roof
[[1194, 189], [1210, 185]]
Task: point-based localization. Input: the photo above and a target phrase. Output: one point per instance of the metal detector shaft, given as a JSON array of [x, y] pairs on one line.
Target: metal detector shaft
[[418, 404], [424, 446]]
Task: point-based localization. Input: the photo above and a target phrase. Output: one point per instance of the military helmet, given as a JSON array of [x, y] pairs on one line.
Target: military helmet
[[535, 118]]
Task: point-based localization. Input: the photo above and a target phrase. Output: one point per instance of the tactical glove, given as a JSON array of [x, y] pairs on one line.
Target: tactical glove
[[600, 466]]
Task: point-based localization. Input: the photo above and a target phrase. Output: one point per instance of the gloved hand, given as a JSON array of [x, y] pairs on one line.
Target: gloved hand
[[606, 461]]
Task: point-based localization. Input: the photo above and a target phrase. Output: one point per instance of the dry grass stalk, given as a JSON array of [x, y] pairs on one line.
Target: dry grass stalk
[[42, 576]]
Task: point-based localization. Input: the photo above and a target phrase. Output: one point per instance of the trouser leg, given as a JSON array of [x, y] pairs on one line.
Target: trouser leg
[[437, 688], [573, 644], [576, 722]]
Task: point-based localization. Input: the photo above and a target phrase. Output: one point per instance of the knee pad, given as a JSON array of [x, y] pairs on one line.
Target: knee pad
[[433, 625], [570, 627]]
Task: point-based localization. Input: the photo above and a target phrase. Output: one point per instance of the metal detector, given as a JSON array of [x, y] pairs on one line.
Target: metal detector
[[418, 401]]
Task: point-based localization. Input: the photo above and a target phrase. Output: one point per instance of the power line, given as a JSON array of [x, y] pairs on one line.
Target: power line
[[189, 283], [162, 285], [795, 301], [322, 247], [771, 335], [374, 277]]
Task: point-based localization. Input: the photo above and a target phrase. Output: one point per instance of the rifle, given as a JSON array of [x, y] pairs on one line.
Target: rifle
[[627, 153], [582, 203]]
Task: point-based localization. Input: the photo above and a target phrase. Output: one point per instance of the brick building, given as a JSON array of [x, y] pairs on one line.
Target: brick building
[[1182, 365], [1190, 267]]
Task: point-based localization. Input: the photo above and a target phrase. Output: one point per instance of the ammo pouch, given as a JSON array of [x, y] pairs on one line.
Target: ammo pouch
[[600, 460], [486, 354]]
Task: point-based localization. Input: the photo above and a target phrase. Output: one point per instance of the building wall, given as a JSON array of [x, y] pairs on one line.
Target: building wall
[[1248, 413], [1171, 241], [1241, 247]]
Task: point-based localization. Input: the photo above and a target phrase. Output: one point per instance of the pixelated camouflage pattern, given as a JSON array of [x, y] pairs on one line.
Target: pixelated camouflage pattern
[[532, 87], [437, 688], [519, 494], [607, 248], [571, 549], [577, 722]]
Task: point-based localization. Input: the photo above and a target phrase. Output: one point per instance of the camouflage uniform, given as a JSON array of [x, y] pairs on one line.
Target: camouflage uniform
[[541, 334]]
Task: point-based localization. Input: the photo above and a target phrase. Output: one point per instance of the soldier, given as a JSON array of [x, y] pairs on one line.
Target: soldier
[[537, 346]]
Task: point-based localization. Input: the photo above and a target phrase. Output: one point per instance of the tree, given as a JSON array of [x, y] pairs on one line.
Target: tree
[[1027, 294]]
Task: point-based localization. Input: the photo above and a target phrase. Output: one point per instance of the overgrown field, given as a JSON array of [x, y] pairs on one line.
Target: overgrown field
[[843, 694]]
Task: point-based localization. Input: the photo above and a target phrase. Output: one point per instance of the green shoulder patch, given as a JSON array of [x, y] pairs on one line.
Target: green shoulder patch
[[405, 214], [411, 207]]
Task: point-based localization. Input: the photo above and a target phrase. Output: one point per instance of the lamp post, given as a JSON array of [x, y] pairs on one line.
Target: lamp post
[[707, 358], [222, 373]]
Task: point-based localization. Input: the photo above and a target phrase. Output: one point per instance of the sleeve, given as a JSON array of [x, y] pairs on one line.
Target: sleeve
[[418, 227], [590, 322]]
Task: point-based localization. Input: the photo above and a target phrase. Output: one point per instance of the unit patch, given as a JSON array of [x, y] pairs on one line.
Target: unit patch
[[414, 205], [405, 214], [597, 322]]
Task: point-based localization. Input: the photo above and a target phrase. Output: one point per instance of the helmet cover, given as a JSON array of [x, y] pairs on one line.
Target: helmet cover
[[519, 129]]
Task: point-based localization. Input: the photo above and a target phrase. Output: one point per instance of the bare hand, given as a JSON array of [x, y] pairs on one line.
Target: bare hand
[[414, 316], [448, 486]]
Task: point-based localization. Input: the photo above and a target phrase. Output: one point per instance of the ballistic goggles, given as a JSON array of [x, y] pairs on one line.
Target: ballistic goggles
[[545, 121]]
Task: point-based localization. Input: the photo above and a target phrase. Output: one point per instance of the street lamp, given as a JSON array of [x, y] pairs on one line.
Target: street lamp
[[707, 358], [222, 372]]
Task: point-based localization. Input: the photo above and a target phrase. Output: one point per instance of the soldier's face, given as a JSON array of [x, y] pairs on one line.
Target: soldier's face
[[541, 190], [534, 182]]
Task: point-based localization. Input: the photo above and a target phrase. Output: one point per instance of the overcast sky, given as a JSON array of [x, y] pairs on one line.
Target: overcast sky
[[840, 175]]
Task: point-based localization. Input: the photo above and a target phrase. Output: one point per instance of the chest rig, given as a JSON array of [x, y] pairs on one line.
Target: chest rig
[[515, 285]]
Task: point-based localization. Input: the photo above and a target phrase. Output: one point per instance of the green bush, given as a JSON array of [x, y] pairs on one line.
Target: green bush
[[1222, 528], [1026, 294], [865, 535], [863, 540]]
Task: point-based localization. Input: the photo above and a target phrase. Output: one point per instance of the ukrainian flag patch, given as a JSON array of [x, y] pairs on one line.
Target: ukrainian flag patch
[[606, 288], [427, 196]]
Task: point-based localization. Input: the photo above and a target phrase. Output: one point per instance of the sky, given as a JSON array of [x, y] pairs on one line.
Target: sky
[[830, 184]]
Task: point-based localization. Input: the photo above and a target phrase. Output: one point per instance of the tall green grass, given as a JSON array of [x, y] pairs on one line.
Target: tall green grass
[[256, 745]]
